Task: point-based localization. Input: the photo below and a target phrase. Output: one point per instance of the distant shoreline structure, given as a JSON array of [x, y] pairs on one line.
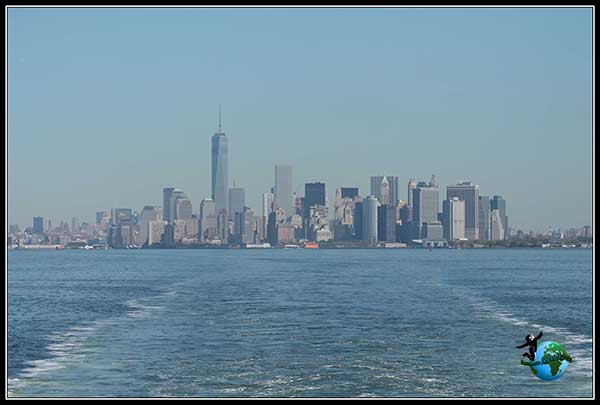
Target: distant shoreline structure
[[311, 247]]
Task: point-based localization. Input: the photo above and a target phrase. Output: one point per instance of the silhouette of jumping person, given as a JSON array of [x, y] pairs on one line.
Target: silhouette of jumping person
[[532, 343]]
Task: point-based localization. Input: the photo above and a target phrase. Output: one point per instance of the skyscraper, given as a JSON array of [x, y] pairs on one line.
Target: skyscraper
[[411, 185], [155, 231], [192, 226], [343, 216], [299, 205], [267, 204], [498, 203], [120, 235], [314, 194], [337, 205], [175, 195], [122, 216], [318, 220], [220, 168], [237, 201], [469, 193], [100, 216], [406, 214], [261, 228], [38, 225], [453, 219], [349, 192], [496, 229], [433, 231], [358, 219], [149, 213], [74, 225], [183, 208], [484, 217], [248, 228], [168, 235], [386, 223], [283, 188], [426, 203], [385, 189], [167, 191], [208, 220], [103, 219], [267, 208], [433, 182], [369, 219], [222, 225], [278, 232]]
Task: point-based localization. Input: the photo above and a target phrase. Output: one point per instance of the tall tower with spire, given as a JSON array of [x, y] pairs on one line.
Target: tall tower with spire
[[220, 168], [384, 191], [386, 184]]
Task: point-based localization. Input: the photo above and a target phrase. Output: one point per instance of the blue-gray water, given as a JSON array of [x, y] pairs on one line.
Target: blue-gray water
[[283, 323]]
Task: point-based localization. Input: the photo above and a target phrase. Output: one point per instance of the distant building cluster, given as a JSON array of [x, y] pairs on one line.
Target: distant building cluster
[[285, 219]]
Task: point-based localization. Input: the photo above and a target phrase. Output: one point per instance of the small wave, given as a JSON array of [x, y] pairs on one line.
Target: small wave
[[62, 346], [373, 368], [582, 362], [392, 376], [280, 381], [39, 367], [578, 339], [139, 310], [83, 328], [431, 380], [233, 390], [302, 388], [14, 384]]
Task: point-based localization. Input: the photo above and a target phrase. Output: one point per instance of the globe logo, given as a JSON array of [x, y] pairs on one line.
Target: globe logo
[[551, 361]]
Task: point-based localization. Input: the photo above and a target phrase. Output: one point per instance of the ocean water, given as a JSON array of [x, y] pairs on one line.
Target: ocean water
[[295, 323]]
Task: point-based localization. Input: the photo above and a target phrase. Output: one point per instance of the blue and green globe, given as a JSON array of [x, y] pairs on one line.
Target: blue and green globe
[[551, 361]]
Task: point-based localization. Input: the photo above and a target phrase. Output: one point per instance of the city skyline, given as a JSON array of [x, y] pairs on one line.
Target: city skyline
[[196, 206], [93, 166], [240, 203]]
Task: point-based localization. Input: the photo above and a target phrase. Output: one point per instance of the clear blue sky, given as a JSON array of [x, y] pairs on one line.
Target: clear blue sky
[[108, 106]]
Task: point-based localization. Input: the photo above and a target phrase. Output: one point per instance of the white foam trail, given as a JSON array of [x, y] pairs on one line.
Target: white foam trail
[[63, 347], [139, 308], [582, 357], [68, 346]]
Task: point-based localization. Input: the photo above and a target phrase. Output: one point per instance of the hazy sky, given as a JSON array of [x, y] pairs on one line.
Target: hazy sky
[[108, 106]]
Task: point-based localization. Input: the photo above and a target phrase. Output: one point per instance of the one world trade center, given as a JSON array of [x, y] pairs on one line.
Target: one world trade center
[[219, 168]]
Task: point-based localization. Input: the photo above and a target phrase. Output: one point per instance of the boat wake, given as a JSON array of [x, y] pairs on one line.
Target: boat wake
[[72, 345], [579, 346]]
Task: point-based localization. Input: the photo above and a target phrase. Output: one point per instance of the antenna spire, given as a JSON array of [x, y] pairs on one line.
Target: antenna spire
[[220, 119]]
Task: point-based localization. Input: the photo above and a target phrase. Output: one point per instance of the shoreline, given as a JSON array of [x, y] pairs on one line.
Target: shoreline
[[52, 247]]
